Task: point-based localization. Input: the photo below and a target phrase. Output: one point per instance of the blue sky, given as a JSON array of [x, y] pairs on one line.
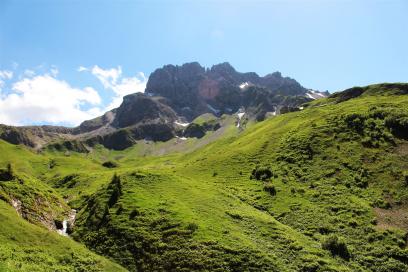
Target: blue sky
[[325, 45]]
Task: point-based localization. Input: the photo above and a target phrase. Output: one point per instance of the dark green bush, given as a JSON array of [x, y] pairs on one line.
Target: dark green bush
[[7, 174], [261, 173], [405, 177], [360, 181], [377, 127], [192, 227], [355, 121], [115, 189], [10, 170], [398, 125], [336, 246], [52, 163], [110, 164], [268, 187], [133, 214]]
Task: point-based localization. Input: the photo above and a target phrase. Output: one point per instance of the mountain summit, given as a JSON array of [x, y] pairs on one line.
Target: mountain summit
[[193, 90]]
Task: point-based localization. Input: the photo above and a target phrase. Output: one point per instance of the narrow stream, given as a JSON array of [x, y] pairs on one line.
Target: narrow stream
[[239, 118], [64, 229], [67, 223]]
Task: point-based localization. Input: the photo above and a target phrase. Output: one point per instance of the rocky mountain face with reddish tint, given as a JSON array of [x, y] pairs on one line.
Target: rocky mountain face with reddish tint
[[193, 90]]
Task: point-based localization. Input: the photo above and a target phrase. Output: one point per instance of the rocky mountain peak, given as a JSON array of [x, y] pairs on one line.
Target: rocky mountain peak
[[193, 90], [137, 108]]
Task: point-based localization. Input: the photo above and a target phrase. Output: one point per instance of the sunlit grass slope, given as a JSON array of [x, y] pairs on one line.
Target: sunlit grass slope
[[27, 247], [332, 181]]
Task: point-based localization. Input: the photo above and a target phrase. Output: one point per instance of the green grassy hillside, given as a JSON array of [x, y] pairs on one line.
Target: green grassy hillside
[[26, 247], [322, 189]]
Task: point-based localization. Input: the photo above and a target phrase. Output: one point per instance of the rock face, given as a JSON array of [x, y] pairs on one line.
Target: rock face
[[173, 93], [138, 117], [139, 108], [33, 136], [193, 90]]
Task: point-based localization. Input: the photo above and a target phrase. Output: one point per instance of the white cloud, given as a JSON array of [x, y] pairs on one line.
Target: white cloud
[[44, 99], [113, 79], [39, 97], [107, 77]]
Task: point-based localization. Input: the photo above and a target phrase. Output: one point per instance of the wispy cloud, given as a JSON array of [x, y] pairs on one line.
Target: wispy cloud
[[28, 73], [54, 71], [82, 69], [5, 75], [114, 80]]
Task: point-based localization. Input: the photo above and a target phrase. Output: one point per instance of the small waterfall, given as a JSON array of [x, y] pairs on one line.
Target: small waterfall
[[70, 221], [240, 114], [63, 231]]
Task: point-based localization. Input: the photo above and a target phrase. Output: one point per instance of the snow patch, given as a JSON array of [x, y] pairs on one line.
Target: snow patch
[[181, 138], [313, 94], [213, 109], [243, 85], [181, 124], [310, 96]]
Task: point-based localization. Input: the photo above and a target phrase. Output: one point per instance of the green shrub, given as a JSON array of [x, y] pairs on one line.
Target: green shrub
[[7, 174], [133, 214], [398, 125], [405, 177], [192, 227], [115, 189], [110, 164], [355, 121], [268, 187], [336, 246], [234, 215], [10, 170], [261, 173], [52, 164]]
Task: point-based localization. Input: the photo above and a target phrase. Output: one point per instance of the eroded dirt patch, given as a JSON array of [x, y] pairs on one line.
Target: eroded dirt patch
[[392, 218], [402, 149]]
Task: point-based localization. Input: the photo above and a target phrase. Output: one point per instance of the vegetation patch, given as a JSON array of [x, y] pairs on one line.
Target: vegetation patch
[[336, 246], [110, 164], [261, 173]]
